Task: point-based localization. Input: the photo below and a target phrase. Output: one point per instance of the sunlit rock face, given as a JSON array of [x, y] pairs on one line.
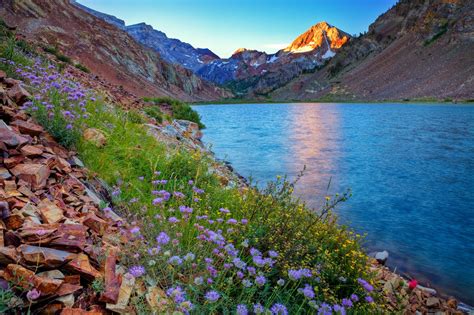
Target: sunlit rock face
[[321, 35], [252, 73]]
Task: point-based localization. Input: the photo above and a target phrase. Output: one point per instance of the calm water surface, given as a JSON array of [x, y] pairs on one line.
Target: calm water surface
[[410, 168]]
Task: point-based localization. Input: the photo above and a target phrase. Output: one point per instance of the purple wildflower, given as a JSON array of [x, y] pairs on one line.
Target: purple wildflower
[[347, 303], [308, 291], [369, 299], [367, 286], [137, 271], [278, 309], [260, 280], [242, 309], [173, 220], [212, 296], [354, 298], [339, 309], [33, 295], [175, 260], [163, 238], [258, 309]]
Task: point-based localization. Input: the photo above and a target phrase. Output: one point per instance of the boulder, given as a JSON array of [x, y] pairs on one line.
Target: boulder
[[50, 212], [34, 174], [82, 265], [44, 257], [381, 257], [18, 94], [126, 288], [31, 150], [11, 138], [95, 136], [28, 128]]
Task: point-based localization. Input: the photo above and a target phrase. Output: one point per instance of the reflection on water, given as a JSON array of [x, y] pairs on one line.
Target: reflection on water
[[410, 168]]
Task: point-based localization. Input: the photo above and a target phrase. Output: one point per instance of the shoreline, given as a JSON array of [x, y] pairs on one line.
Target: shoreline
[[401, 102]]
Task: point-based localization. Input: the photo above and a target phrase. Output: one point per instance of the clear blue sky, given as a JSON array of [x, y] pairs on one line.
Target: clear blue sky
[[225, 25]]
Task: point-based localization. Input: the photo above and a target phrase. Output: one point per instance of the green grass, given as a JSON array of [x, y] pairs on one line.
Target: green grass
[[180, 109], [82, 68], [154, 112]]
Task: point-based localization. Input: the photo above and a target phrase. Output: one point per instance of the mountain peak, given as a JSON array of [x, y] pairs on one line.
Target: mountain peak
[[318, 35], [239, 50]]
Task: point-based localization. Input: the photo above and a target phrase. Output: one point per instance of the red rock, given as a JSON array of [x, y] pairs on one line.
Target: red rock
[[112, 281], [73, 279], [68, 288], [28, 127], [31, 150], [82, 265], [78, 311], [12, 161], [97, 224], [70, 236], [52, 309], [14, 221], [21, 276], [4, 174], [95, 136], [18, 94], [11, 138], [34, 174], [50, 212], [8, 255], [44, 257]]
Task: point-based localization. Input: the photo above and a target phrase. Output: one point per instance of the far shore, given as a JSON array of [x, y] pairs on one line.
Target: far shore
[[415, 101]]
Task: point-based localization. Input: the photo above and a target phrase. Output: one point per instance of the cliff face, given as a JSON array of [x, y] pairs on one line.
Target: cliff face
[[418, 49], [170, 49], [106, 49], [253, 73]]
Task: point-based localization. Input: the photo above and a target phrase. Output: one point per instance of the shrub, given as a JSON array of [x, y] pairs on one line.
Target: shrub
[[154, 112], [82, 68], [180, 109]]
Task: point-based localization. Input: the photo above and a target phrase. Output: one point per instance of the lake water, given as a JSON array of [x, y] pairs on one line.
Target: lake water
[[410, 168]]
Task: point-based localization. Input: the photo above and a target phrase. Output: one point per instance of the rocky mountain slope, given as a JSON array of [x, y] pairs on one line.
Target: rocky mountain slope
[[416, 50], [171, 49], [251, 73], [106, 49]]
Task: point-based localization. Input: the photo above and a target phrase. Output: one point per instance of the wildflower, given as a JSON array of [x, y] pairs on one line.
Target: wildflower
[[116, 192], [189, 257], [173, 220], [369, 299], [157, 201], [412, 284], [258, 308], [325, 309], [33, 295], [232, 221], [244, 221], [272, 253], [163, 238], [367, 286], [68, 126], [178, 194], [177, 294], [175, 260], [212, 296], [137, 271], [339, 309], [347, 303], [308, 291], [141, 178], [251, 270], [279, 309], [247, 283], [224, 210], [354, 298], [242, 309], [239, 263], [184, 209], [151, 262], [190, 182], [260, 280], [281, 282], [255, 252], [135, 230], [240, 274], [198, 281]]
